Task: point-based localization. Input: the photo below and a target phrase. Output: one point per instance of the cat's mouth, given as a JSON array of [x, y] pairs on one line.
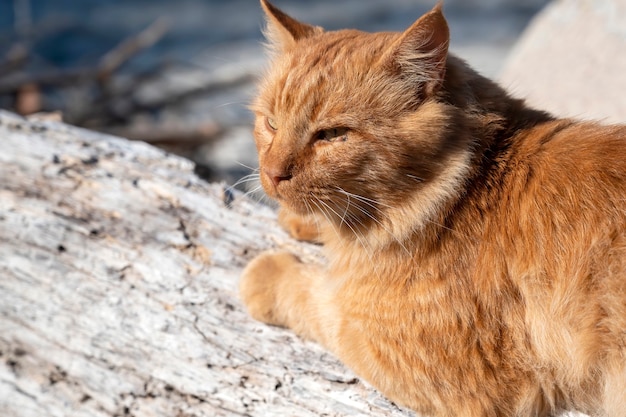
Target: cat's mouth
[[285, 191], [342, 208], [286, 196]]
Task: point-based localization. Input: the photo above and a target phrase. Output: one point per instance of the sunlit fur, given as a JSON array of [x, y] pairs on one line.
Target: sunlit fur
[[476, 248]]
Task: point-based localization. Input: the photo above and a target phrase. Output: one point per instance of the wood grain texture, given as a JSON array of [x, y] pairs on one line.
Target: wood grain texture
[[118, 290]]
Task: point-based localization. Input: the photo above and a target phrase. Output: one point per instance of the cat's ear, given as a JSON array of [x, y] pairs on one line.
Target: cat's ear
[[283, 31], [421, 51]]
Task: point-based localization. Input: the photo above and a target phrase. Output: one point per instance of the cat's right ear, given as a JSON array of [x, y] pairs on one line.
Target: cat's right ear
[[283, 31]]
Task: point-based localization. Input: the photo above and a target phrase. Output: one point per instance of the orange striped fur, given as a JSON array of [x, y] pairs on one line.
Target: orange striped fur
[[476, 247]]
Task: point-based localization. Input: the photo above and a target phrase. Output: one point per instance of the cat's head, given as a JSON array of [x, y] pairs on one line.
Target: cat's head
[[347, 122]]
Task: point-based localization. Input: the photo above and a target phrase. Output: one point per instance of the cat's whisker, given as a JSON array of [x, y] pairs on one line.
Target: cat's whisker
[[368, 249], [253, 191], [333, 211], [385, 228], [372, 203], [359, 237], [415, 177], [247, 178], [257, 169], [250, 178], [357, 221], [311, 213], [328, 219], [230, 103], [345, 212]]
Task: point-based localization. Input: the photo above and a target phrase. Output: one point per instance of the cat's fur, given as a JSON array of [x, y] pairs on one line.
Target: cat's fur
[[476, 248]]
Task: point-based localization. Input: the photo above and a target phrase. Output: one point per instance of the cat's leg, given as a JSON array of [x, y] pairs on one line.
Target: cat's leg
[[299, 227], [279, 289]]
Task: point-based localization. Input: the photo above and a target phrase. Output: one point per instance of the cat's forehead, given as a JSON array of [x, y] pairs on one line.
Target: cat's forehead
[[325, 74], [332, 48], [337, 52]]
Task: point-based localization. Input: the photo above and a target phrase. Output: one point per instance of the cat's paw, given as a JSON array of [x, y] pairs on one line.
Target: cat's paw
[[260, 285], [299, 227]]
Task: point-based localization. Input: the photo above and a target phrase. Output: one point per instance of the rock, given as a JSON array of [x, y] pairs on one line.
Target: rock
[[572, 60]]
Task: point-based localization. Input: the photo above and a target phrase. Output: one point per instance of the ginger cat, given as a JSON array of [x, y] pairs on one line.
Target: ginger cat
[[476, 247]]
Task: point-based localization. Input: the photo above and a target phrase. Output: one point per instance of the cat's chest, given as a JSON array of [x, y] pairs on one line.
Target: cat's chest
[[403, 306]]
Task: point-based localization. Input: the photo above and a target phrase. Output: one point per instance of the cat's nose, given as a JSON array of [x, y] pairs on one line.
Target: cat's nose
[[277, 175]]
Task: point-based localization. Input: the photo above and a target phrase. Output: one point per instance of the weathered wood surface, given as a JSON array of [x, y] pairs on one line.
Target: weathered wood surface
[[118, 290]]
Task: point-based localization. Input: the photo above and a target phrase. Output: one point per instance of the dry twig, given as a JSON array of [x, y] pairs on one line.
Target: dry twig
[[130, 47]]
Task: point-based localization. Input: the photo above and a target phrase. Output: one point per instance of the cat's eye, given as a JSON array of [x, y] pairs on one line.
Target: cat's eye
[[271, 123], [337, 134]]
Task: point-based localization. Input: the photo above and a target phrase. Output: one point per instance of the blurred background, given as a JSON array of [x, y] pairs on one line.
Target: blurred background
[[179, 73]]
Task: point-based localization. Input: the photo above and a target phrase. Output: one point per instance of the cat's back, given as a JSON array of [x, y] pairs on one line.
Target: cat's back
[[565, 218], [564, 194], [572, 165]]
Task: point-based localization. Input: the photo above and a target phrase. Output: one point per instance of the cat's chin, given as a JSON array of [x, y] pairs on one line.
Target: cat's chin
[[294, 207], [284, 198]]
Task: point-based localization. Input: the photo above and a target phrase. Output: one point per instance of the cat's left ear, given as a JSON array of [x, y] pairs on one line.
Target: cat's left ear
[[283, 31], [421, 51]]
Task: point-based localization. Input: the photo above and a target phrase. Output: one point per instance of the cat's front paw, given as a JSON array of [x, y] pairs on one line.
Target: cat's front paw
[[299, 227], [260, 285]]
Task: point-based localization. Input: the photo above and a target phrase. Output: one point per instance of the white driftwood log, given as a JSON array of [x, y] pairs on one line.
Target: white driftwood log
[[118, 290]]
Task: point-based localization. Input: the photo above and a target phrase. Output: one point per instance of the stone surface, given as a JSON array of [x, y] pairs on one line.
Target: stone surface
[[572, 60]]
